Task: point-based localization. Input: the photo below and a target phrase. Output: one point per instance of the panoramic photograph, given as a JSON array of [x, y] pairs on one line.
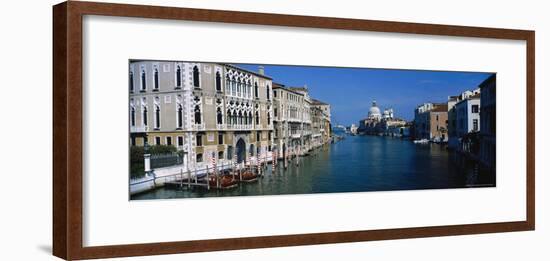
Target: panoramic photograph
[[207, 129]]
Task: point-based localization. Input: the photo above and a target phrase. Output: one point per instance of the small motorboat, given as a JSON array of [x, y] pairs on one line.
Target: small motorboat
[[422, 141]]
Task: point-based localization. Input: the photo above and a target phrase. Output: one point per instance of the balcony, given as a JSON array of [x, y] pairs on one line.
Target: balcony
[[295, 135], [139, 129], [199, 127], [240, 127]]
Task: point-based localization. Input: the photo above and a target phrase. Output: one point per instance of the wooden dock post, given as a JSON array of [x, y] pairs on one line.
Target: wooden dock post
[[188, 178], [196, 175], [272, 162], [181, 178], [207, 178]]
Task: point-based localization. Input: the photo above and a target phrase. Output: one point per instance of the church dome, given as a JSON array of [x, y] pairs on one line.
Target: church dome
[[374, 111]]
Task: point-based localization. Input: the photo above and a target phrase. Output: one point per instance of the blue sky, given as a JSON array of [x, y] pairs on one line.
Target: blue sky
[[350, 91]]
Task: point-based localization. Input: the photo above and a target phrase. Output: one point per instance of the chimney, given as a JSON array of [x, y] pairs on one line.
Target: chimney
[[261, 70]]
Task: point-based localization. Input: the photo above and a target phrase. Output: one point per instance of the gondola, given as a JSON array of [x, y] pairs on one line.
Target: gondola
[[225, 182]]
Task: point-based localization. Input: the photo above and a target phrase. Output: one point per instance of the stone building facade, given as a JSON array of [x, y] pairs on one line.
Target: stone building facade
[[206, 110], [300, 122], [463, 116], [320, 123], [488, 122], [430, 122]]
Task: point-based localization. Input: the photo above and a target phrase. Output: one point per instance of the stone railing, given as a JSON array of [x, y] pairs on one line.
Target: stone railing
[[134, 129], [199, 127]]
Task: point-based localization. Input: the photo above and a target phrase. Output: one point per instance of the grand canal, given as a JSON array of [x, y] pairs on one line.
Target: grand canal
[[356, 164]]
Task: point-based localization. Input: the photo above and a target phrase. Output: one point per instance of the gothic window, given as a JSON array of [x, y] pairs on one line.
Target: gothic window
[[249, 118], [228, 120], [157, 117], [240, 118], [227, 84], [178, 76], [144, 116], [239, 88], [257, 118], [180, 116], [196, 79], [219, 116], [218, 82], [133, 116], [197, 114], [156, 79], [131, 81], [267, 91], [268, 117], [143, 81], [256, 89]]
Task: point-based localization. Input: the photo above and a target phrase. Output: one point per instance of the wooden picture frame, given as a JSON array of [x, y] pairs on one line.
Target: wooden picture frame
[[68, 119]]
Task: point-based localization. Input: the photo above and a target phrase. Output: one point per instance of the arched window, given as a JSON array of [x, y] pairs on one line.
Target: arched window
[[131, 81], [144, 116], [268, 118], [196, 80], [218, 82], [143, 81], [227, 84], [239, 88], [257, 118], [157, 117], [219, 116], [267, 91], [256, 89], [228, 115], [180, 116], [249, 118], [133, 116], [197, 114], [178, 76], [156, 79]]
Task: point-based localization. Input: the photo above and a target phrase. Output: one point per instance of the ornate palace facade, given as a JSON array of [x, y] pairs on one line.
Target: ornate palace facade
[[206, 110]]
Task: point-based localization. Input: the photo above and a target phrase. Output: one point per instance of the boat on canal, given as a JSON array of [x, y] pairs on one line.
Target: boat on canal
[[422, 141], [222, 182], [247, 176]]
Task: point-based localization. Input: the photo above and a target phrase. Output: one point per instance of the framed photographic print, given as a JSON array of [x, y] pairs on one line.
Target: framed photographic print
[[185, 130]]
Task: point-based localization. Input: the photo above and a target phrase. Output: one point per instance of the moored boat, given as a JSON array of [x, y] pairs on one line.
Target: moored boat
[[222, 182]]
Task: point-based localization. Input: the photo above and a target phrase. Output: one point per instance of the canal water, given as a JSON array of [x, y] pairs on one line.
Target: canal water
[[357, 164]]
